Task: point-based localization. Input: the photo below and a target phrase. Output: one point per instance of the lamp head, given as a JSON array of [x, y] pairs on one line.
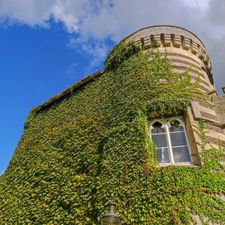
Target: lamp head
[[110, 218]]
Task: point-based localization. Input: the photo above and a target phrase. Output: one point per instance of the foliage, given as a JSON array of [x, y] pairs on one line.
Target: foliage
[[119, 53], [93, 147]]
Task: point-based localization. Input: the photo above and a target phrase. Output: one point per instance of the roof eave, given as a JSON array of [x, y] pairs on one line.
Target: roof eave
[[67, 91]]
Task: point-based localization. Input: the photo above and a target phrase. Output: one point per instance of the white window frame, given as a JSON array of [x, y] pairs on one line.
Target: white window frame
[[166, 126]]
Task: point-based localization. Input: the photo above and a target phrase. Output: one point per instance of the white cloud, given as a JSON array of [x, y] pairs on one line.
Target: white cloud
[[38, 12], [25, 11], [96, 49], [101, 19], [59, 11], [201, 4]]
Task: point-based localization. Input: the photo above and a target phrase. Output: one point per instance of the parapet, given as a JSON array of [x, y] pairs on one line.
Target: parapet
[[166, 36]]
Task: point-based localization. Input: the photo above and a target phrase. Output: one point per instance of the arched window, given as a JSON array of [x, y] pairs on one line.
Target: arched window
[[159, 138], [171, 141]]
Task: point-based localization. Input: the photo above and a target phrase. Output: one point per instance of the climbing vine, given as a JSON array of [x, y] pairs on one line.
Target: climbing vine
[[120, 53], [93, 147]]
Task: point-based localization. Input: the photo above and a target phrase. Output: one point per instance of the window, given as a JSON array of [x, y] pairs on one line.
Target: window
[[171, 141]]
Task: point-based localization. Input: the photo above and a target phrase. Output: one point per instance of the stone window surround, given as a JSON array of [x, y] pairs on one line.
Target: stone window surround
[[166, 125]]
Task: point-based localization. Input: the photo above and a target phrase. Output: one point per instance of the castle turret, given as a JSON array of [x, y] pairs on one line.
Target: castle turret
[[183, 48], [187, 52]]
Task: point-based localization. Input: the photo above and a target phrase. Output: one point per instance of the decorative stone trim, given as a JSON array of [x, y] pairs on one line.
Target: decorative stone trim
[[178, 60], [189, 69], [201, 81], [207, 109], [199, 113], [177, 41], [205, 104], [208, 115], [179, 56], [215, 141]]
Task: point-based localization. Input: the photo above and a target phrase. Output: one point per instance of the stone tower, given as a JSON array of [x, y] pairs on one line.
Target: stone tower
[[187, 52]]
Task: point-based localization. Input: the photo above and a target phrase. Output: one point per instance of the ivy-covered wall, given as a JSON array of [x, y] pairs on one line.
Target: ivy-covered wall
[[93, 147]]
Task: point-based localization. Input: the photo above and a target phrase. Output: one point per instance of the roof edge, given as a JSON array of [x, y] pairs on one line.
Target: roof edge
[[91, 77], [163, 26], [70, 90]]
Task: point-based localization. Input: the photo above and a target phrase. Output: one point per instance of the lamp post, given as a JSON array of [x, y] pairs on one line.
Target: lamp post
[[110, 218]]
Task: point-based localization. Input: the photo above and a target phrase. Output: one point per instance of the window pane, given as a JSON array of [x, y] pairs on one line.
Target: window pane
[[175, 126], [180, 128], [181, 154], [157, 128], [159, 140], [163, 155], [178, 138]]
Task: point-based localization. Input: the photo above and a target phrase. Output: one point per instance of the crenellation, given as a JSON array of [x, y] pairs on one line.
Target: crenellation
[[185, 43], [194, 47], [177, 41]]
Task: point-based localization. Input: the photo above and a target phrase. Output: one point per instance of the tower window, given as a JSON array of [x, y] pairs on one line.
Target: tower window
[[171, 141]]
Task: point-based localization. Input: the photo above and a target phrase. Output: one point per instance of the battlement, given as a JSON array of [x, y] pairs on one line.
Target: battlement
[[171, 36]]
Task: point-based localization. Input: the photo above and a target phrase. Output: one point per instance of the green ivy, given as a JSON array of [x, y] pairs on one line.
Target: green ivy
[[93, 147], [119, 53]]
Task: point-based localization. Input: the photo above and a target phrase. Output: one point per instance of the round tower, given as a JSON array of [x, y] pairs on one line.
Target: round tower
[[187, 52], [183, 48]]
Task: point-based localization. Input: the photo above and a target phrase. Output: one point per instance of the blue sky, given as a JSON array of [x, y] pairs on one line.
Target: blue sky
[[35, 64], [47, 45]]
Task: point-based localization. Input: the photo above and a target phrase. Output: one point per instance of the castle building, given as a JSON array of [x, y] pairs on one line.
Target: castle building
[[186, 51], [100, 141]]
